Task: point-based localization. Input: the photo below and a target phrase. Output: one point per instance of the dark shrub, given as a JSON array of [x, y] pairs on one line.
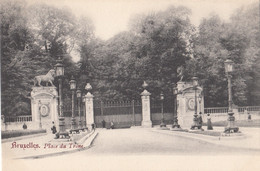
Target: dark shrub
[[18, 133]]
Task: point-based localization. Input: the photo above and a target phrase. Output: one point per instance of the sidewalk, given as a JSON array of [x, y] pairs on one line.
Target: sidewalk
[[249, 138], [45, 145]]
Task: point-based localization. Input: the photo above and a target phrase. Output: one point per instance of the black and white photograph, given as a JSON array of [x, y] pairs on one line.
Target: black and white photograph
[[130, 85]]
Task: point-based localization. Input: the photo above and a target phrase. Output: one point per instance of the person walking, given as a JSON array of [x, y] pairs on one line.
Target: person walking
[[93, 126], [24, 126], [209, 122], [112, 125], [53, 128], [103, 123]]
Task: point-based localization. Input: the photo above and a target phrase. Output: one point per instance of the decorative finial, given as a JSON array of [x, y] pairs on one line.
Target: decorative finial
[[145, 85]]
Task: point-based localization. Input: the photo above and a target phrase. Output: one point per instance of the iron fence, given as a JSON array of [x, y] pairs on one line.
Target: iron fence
[[249, 109], [225, 109], [24, 118], [158, 105], [117, 107]]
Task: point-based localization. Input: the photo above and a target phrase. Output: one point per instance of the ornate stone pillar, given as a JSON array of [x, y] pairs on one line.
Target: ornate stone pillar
[[186, 103], [146, 113], [44, 106], [89, 109]]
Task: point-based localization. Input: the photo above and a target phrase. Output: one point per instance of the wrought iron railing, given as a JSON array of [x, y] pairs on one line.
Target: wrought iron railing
[[216, 110], [117, 107], [24, 118], [249, 109], [225, 109]]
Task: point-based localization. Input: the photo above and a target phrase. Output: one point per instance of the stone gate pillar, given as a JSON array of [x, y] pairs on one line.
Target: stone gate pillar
[[186, 103], [146, 113], [44, 107], [89, 109]]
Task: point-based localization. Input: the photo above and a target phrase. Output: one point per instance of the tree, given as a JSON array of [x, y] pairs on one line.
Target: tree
[[245, 24], [15, 37], [163, 42], [236, 40], [32, 38]]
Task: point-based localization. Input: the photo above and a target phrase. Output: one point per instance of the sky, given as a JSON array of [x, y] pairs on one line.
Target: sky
[[112, 16]]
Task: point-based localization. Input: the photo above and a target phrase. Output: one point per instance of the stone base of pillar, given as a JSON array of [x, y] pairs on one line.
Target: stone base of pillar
[[73, 123], [147, 124], [175, 123], [231, 128], [196, 125], [62, 124], [80, 124], [62, 131]]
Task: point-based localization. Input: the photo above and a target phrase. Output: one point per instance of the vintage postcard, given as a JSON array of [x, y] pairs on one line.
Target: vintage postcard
[[130, 85]]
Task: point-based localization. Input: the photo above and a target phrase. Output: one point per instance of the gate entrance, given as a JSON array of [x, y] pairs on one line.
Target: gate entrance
[[123, 114]]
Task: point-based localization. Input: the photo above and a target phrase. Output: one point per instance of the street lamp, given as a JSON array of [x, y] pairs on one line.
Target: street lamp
[[200, 113], [40, 117], [195, 119], [79, 102], [175, 114], [59, 68], [231, 119], [200, 99], [84, 112], [162, 122], [73, 88]]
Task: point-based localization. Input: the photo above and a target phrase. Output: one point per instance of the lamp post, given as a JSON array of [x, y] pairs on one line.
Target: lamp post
[[59, 68], [195, 124], [200, 98], [200, 113], [231, 119], [162, 122], [84, 112], [175, 114], [40, 117], [79, 103], [73, 88]]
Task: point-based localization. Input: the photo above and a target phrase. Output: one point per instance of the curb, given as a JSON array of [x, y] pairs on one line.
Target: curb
[[23, 137], [86, 145], [208, 139]]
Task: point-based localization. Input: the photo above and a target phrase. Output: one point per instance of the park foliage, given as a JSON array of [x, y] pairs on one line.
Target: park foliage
[[154, 47]]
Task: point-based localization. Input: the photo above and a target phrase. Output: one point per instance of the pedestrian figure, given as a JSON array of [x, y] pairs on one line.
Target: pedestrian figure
[[112, 125], [93, 126], [248, 114], [53, 128], [209, 122], [103, 123], [24, 126]]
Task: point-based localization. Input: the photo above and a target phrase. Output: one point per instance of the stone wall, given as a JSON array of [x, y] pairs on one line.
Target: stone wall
[[18, 126], [223, 116]]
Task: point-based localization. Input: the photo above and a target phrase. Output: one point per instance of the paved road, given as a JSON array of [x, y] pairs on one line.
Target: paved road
[[129, 149], [141, 141]]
